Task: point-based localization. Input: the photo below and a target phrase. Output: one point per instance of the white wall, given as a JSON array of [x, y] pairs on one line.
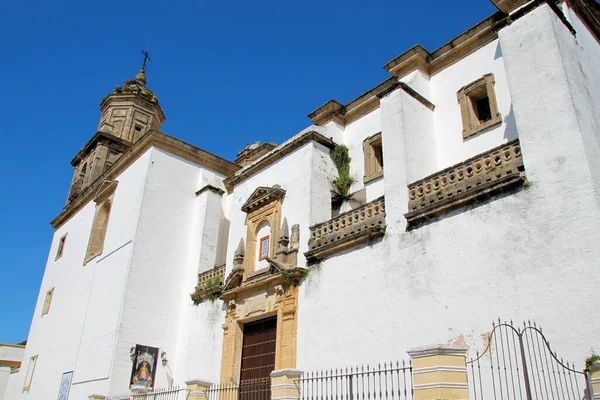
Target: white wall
[[4, 376], [307, 199], [452, 148], [526, 255], [84, 313], [8, 353], [582, 62], [157, 281]]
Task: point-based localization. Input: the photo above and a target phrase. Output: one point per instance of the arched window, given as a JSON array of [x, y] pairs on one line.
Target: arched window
[[98, 233], [263, 244]]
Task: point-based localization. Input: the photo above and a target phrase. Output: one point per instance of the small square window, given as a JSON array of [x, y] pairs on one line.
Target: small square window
[[373, 153], [264, 248], [61, 247], [47, 302], [478, 106]]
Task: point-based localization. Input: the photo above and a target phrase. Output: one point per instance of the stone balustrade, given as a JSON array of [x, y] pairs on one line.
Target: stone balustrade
[[347, 230], [484, 175]]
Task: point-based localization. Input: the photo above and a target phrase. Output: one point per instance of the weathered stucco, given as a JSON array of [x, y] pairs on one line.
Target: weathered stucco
[[529, 253]]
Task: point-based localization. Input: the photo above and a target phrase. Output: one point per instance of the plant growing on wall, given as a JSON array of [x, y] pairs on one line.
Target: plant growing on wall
[[591, 360], [295, 275], [211, 290], [343, 181]]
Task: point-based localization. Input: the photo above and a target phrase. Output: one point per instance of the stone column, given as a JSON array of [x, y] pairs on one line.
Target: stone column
[[595, 380], [285, 384], [198, 389], [440, 372], [96, 397]]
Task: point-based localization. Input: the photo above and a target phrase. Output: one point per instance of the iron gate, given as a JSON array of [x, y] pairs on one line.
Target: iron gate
[[521, 365]]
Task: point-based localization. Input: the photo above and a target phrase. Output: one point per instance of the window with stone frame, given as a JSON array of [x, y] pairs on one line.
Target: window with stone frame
[[47, 302], [61, 247], [29, 375], [373, 153], [478, 106], [98, 232]]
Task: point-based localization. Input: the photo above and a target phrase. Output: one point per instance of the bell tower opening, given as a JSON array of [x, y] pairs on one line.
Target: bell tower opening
[[127, 114]]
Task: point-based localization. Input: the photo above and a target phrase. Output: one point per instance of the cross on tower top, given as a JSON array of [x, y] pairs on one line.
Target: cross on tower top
[[146, 58]]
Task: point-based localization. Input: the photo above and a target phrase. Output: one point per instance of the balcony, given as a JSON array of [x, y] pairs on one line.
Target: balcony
[[347, 230], [475, 179], [210, 285]]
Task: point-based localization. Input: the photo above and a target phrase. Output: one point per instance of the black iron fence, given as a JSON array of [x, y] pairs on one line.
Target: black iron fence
[[250, 389], [518, 363], [390, 381], [171, 393]]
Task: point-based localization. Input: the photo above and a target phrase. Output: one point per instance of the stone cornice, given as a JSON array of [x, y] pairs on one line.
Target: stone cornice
[[261, 196], [137, 96], [98, 136], [410, 91], [150, 139], [346, 114], [210, 188], [437, 350], [18, 346], [252, 285], [430, 63], [275, 155], [418, 58]]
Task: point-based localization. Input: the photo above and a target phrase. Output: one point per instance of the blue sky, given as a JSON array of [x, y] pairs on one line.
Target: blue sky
[[226, 74]]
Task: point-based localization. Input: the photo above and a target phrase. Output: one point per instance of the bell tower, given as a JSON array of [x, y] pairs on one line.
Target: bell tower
[[127, 113]]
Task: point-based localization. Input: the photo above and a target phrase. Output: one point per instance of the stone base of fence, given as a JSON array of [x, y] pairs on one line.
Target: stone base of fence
[[440, 372], [285, 384], [595, 380], [198, 389]]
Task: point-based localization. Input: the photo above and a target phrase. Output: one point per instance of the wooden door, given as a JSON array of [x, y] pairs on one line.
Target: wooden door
[[258, 359]]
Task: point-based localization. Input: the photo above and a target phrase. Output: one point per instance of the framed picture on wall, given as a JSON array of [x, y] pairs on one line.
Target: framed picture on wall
[[65, 385], [143, 370], [264, 248]]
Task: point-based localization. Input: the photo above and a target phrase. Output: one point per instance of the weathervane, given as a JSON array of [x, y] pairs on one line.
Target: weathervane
[[146, 58]]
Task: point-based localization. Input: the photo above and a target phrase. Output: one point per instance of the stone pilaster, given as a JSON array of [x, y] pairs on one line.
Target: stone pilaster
[[595, 380], [440, 372], [285, 384], [198, 389]]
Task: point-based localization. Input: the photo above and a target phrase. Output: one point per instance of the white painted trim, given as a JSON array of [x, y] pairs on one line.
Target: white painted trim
[[597, 380], [286, 372], [284, 398], [285, 386], [442, 385], [437, 350], [200, 382], [438, 369]]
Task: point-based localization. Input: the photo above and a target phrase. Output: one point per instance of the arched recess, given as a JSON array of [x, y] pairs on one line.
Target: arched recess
[[103, 202], [263, 207], [263, 243]]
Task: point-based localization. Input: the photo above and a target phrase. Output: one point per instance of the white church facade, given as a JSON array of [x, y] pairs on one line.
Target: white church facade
[[464, 188]]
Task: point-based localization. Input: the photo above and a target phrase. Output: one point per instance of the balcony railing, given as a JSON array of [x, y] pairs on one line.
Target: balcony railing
[[484, 175], [347, 230]]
